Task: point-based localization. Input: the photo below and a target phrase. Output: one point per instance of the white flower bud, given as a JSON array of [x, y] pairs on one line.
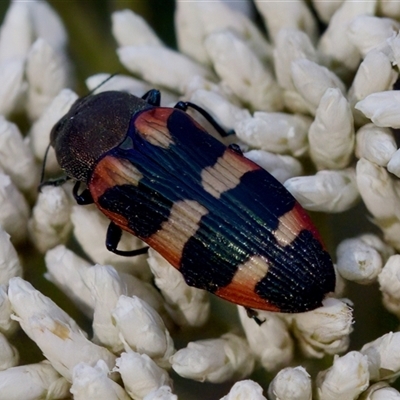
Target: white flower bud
[[382, 108], [31, 20], [367, 32], [142, 330], [195, 21], [324, 330], [245, 390], [294, 102], [148, 293], [226, 113], [47, 24], [40, 131], [161, 66], [327, 191], [340, 285], [57, 335], [190, 19], [7, 325], [10, 265], [141, 374], [331, 135], [380, 197], [393, 50], [243, 72], [376, 144], [200, 83], [16, 157], [50, 224], [106, 286], [378, 244], [389, 281], [16, 19], [290, 45], [391, 232], [33, 382], [9, 356], [375, 74], [387, 393], [47, 74], [64, 270], [187, 305], [326, 9], [334, 44], [14, 210], [312, 81], [291, 384], [162, 393], [270, 342], [92, 383], [358, 261], [383, 357], [280, 167], [130, 29], [346, 379], [377, 190], [12, 85], [214, 360], [393, 165], [275, 132], [281, 15], [380, 391], [90, 227]]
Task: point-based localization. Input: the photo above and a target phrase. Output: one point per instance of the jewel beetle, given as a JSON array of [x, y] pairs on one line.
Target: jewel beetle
[[224, 222]]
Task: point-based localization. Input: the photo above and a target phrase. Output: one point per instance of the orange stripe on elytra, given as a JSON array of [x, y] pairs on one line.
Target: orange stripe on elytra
[[110, 172], [307, 223], [182, 224], [226, 173], [152, 126], [290, 225], [241, 289]]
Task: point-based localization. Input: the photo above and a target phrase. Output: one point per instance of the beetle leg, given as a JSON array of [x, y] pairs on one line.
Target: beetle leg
[[254, 314], [153, 97], [113, 237], [83, 198], [184, 105], [236, 148]]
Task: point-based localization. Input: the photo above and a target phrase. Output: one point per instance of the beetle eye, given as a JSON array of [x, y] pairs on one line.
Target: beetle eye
[[56, 129]]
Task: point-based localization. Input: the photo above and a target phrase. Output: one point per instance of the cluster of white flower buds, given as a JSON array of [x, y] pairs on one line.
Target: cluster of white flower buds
[[300, 95]]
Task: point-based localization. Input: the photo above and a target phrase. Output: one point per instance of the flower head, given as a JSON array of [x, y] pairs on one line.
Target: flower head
[[315, 108]]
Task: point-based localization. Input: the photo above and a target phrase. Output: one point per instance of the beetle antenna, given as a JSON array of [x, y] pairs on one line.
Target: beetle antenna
[[51, 182], [102, 83], [44, 164]]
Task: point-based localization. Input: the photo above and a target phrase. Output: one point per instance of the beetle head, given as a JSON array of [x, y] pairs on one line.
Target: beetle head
[[94, 125]]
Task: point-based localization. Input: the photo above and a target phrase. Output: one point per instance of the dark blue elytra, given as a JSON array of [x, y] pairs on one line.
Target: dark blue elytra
[[238, 225]]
